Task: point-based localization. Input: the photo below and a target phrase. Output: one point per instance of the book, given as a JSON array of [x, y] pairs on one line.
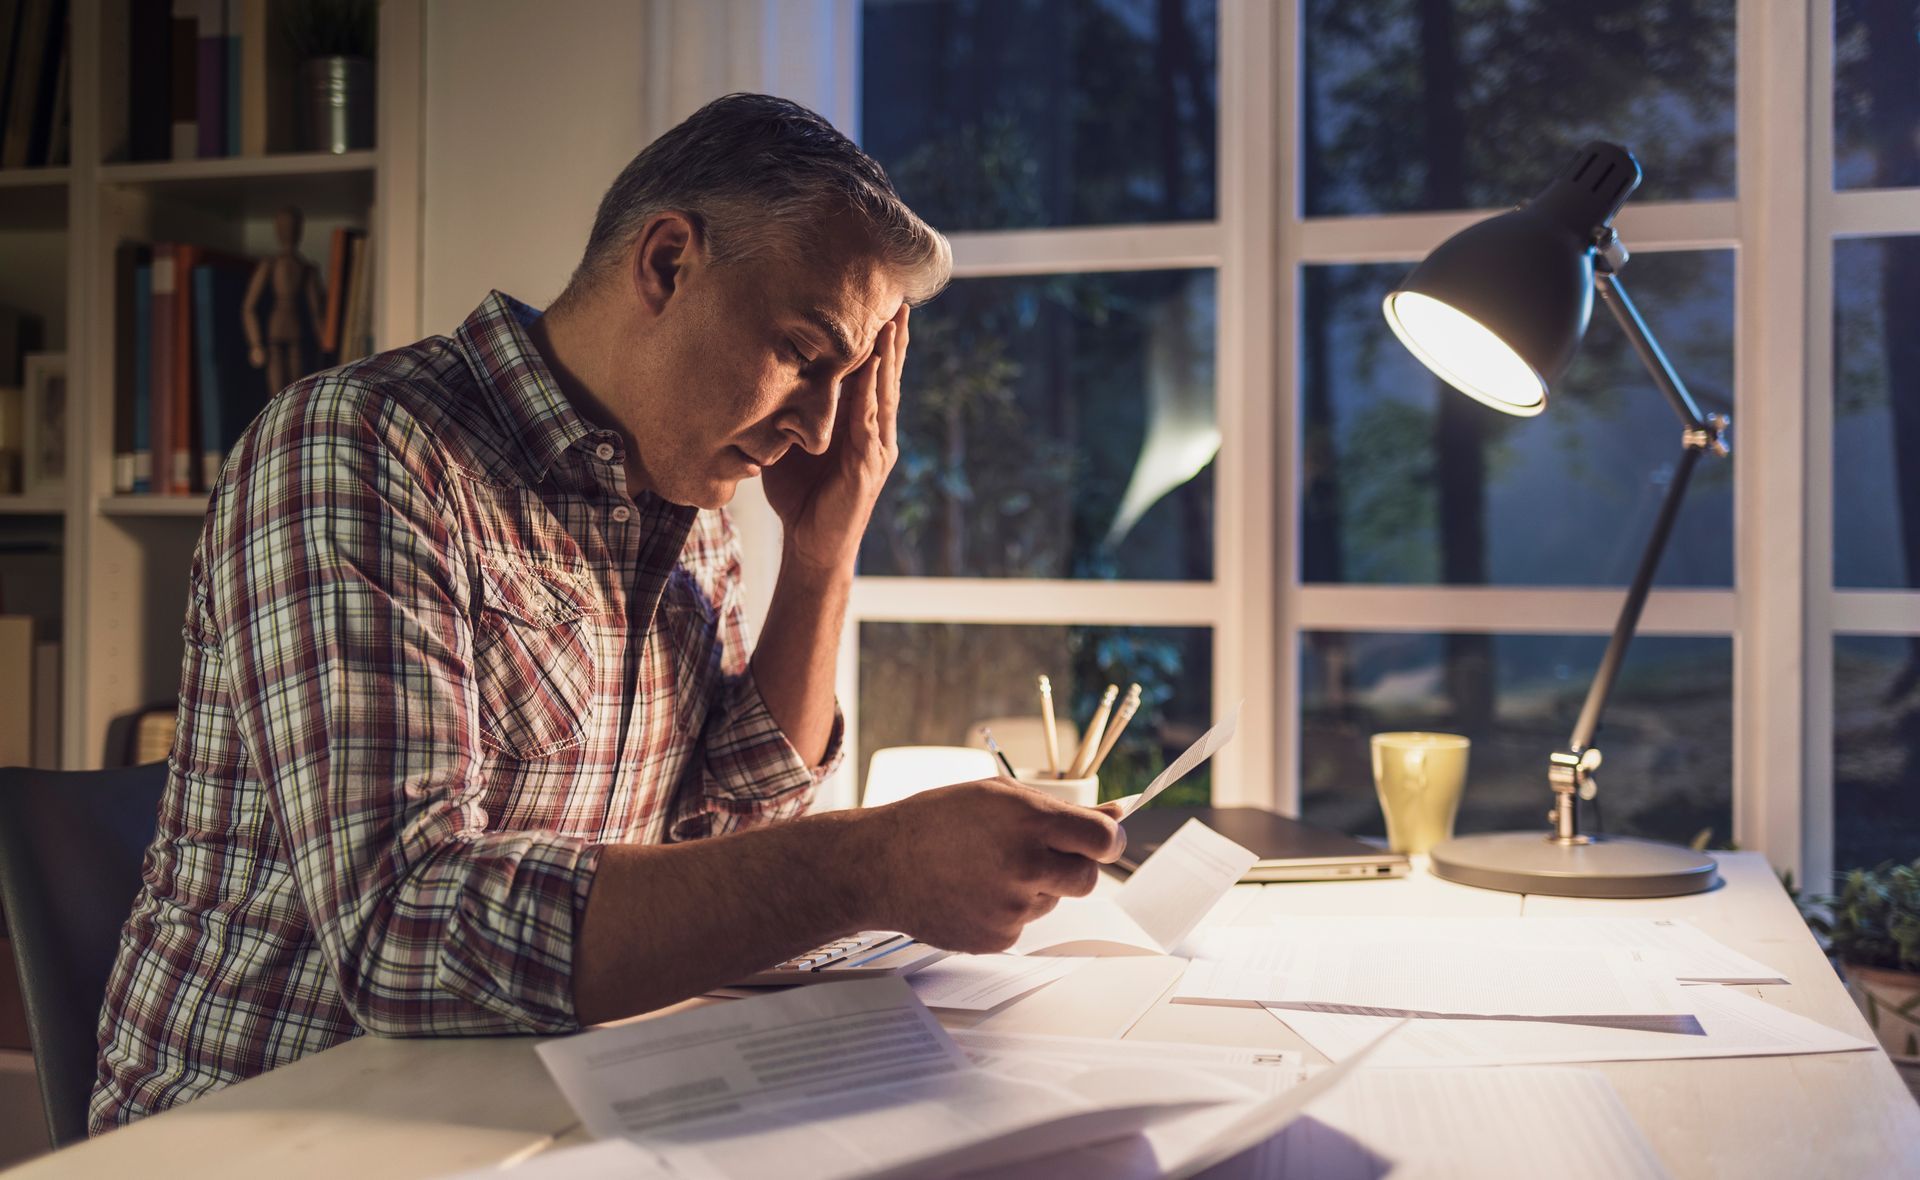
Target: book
[[143, 375], [161, 370], [9, 45], [230, 73], [23, 84], [53, 67], [210, 80], [336, 293], [127, 259], [357, 317], [16, 684], [46, 704], [230, 390], [183, 82], [149, 81], [60, 131]]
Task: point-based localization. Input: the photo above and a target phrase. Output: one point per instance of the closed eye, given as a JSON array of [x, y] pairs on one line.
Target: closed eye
[[795, 353]]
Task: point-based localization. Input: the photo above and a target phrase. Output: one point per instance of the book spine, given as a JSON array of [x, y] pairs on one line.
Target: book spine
[[52, 75], [252, 95], [231, 91], [11, 15], [149, 62], [210, 83], [126, 275], [160, 406], [337, 266], [185, 463], [143, 377], [206, 346], [23, 87], [16, 684], [183, 79]]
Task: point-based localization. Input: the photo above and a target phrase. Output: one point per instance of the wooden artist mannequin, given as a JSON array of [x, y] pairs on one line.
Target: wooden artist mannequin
[[291, 321]]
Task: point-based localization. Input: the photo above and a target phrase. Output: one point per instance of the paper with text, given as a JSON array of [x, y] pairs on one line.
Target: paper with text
[[1158, 906], [1423, 977], [851, 1080], [1735, 1025], [978, 983], [1210, 743]]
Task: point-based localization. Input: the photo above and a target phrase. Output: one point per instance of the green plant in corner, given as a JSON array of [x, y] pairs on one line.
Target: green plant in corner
[[1872, 925]]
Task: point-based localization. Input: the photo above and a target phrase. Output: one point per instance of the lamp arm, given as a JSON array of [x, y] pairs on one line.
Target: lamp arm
[[1570, 771], [1658, 367]]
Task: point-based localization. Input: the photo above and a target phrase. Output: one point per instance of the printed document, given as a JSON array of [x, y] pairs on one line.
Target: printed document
[[853, 1080], [1733, 1024], [1158, 906], [1426, 978], [979, 983]]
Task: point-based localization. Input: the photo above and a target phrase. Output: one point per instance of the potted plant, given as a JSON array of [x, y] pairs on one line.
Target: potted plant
[[1873, 927], [334, 43]]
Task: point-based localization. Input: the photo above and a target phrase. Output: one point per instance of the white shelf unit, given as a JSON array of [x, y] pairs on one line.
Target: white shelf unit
[[125, 558]]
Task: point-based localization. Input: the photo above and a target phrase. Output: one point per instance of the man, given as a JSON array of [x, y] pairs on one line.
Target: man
[[469, 737]]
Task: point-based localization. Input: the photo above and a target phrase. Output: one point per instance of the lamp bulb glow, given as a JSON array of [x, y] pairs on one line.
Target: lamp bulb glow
[[1465, 354]]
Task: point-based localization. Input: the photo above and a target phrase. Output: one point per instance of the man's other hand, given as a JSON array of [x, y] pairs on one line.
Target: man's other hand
[[824, 500], [966, 867]]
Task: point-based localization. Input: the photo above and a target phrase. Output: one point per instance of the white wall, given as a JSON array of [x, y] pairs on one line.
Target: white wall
[[531, 111]]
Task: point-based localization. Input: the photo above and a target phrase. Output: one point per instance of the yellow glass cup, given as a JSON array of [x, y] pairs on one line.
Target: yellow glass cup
[[1419, 777]]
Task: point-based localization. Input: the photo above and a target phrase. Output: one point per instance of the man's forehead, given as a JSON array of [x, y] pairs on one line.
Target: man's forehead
[[850, 308]]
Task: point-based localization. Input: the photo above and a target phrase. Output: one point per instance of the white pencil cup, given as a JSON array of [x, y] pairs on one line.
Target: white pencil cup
[[1082, 791]]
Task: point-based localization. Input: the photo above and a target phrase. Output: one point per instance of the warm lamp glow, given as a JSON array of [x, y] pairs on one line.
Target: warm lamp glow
[[1464, 354]]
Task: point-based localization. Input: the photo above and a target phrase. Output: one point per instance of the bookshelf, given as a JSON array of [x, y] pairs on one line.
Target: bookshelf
[[124, 558]]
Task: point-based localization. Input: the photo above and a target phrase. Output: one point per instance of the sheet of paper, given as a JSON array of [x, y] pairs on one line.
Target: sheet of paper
[[841, 1081], [609, 1159], [1210, 743], [1464, 1124], [1426, 978], [1158, 906], [984, 1047], [1734, 1024], [1195, 1142], [1686, 952], [977, 983]]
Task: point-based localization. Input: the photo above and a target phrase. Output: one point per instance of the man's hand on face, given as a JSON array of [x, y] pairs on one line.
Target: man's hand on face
[[824, 500], [966, 867]]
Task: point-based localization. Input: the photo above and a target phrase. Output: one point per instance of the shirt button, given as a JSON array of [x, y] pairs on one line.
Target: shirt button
[[605, 451], [621, 513]]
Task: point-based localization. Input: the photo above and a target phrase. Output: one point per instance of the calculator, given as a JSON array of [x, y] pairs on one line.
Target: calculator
[[866, 955]]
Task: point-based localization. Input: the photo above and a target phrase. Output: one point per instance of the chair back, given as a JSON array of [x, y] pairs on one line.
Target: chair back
[[71, 844], [894, 772]]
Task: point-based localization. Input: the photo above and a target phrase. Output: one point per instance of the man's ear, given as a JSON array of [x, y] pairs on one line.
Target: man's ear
[[668, 245]]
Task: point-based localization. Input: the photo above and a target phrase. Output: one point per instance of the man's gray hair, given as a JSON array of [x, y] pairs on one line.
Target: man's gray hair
[[761, 175]]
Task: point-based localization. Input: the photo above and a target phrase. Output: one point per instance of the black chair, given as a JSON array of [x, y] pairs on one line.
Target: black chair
[[70, 849]]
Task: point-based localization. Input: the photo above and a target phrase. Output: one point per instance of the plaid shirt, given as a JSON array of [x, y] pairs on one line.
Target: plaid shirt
[[435, 657]]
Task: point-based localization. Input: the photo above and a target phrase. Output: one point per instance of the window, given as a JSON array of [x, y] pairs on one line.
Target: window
[[1059, 502]]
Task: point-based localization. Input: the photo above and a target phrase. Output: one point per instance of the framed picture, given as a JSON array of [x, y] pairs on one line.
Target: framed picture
[[44, 433]]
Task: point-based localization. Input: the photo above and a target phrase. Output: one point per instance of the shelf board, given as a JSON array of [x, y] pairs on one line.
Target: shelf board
[[35, 177], [149, 505], [318, 182], [35, 504]]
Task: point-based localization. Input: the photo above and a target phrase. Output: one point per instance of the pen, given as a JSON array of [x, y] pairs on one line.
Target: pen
[[1128, 708], [1091, 741], [1046, 720], [986, 735]]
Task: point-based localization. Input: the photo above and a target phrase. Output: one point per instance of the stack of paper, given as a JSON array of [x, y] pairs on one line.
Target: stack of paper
[[1158, 906], [857, 1080], [980, 983]]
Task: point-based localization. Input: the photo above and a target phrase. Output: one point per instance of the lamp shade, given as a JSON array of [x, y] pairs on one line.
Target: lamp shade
[[1498, 309]]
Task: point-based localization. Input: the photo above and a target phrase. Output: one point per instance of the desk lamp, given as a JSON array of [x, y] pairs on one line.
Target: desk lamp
[[1497, 312]]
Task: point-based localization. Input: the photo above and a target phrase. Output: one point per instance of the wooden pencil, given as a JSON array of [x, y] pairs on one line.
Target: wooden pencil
[[1128, 708], [1091, 740], [1046, 721]]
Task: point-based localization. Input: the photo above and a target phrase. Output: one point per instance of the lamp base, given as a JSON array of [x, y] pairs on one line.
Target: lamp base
[[1609, 866]]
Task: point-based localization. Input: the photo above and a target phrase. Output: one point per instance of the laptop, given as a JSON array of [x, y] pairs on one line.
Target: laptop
[[1289, 850]]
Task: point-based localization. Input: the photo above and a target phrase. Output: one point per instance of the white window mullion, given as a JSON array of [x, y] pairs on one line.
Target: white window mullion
[[1038, 601], [1285, 287], [1509, 610], [1405, 237], [1815, 760], [1177, 245], [1867, 212], [1873, 612]]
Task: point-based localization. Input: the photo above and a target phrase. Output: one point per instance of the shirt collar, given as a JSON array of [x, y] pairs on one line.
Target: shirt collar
[[516, 382]]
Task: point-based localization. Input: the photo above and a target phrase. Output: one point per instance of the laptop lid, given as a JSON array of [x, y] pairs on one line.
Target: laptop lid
[[1277, 839]]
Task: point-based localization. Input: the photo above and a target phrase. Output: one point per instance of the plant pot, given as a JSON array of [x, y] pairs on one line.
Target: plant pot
[[336, 103], [1890, 1000]]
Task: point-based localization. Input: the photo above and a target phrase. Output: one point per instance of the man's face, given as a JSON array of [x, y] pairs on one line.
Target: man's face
[[750, 362]]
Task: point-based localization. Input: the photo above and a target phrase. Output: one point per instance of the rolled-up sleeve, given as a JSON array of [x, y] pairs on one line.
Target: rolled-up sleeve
[[342, 605], [749, 773]]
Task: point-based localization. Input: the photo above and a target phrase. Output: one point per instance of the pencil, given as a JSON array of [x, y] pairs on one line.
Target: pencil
[[986, 735], [1128, 708], [1091, 740], [1046, 720]]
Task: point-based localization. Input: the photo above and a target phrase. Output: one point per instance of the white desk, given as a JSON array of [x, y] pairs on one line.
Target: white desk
[[388, 1108]]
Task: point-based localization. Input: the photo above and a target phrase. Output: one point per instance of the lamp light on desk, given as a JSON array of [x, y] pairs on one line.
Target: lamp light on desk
[[1497, 312]]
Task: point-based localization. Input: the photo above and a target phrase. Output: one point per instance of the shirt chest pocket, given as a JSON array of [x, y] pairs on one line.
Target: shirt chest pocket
[[533, 656], [692, 644]]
